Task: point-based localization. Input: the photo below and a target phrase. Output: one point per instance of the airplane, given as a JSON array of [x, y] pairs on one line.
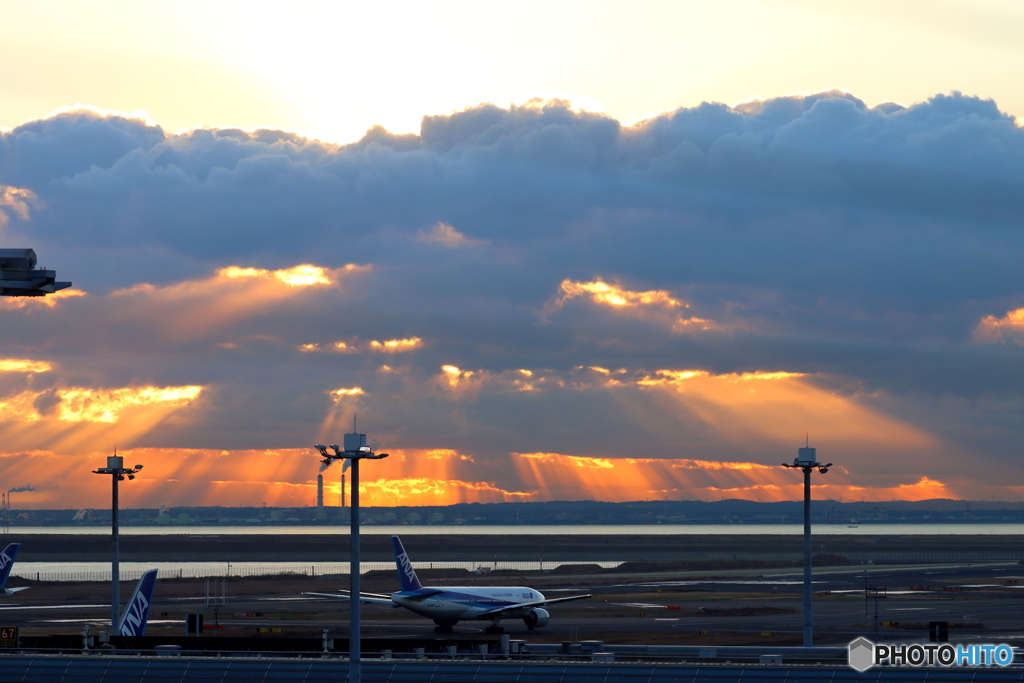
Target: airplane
[[136, 612], [6, 563], [449, 605]]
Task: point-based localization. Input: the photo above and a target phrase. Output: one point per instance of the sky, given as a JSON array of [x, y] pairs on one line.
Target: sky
[[574, 251]]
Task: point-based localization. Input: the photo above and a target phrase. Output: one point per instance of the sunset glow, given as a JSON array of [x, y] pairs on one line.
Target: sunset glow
[[613, 295], [339, 394], [193, 309], [48, 301], [16, 201], [396, 345], [287, 478], [654, 305], [95, 405], [23, 365], [1010, 327], [530, 268], [90, 405], [298, 276]]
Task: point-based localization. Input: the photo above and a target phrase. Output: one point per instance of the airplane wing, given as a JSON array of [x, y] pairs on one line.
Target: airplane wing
[[363, 597], [12, 591], [527, 605], [422, 594]]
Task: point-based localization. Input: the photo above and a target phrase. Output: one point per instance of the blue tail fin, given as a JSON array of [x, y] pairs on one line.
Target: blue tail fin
[[136, 612], [406, 574], [7, 561]]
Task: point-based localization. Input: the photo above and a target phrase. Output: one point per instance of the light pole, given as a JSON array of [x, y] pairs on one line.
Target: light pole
[[355, 450], [115, 467], [806, 461]]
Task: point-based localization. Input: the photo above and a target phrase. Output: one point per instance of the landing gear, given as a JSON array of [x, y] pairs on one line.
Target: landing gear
[[444, 626]]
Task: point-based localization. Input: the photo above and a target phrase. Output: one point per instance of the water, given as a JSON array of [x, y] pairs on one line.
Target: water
[[100, 571], [1005, 529], [131, 571]]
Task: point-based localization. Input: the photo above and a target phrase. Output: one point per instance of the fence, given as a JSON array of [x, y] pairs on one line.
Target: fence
[[130, 571], [192, 570]]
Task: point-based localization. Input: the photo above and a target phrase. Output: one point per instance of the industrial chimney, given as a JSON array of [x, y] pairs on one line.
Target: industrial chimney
[[320, 496]]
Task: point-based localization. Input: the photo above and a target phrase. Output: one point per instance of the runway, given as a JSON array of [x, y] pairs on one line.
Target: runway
[[981, 602]]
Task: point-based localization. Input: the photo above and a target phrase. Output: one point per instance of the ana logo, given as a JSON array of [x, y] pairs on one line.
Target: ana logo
[[5, 560], [403, 560], [135, 617]]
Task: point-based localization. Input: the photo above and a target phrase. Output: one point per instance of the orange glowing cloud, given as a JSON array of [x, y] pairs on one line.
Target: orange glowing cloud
[[992, 330], [15, 200], [343, 393], [23, 365], [298, 276], [459, 381], [48, 301], [375, 346], [344, 401], [396, 345], [655, 304], [566, 477], [777, 405], [922, 489], [283, 478], [287, 478], [469, 382], [607, 294], [556, 476], [427, 491], [771, 406], [75, 418], [198, 307], [106, 405]]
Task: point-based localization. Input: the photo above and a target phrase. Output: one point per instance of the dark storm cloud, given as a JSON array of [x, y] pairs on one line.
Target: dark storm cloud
[[815, 234]]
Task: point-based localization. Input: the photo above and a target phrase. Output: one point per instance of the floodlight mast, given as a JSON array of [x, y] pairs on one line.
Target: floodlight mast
[[20, 277], [805, 460], [115, 467], [355, 450]]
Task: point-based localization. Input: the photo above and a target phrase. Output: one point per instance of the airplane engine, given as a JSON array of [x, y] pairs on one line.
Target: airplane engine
[[536, 618]]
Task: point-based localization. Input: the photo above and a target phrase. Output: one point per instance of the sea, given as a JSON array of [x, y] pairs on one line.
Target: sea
[[129, 571]]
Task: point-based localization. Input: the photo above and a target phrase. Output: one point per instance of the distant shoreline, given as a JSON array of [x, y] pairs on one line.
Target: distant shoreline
[[966, 528], [441, 546]]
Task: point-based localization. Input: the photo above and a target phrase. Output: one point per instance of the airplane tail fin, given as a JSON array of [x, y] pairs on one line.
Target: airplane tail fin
[[7, 561], [407, 578], [136, 612]]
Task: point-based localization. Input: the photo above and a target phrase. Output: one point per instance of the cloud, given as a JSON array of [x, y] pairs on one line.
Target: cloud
[[445, 235], [709, 284], [652, 304], [1009, 327], [24, 365], [14, 200], [396, 345]]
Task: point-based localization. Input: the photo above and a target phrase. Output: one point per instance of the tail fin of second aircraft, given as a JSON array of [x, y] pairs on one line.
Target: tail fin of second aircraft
[[136, 612], [7, 561], [407, 578]]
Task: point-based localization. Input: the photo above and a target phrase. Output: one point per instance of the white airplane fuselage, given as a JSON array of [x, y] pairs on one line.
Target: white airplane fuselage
[[448, 605], [465, 603]]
